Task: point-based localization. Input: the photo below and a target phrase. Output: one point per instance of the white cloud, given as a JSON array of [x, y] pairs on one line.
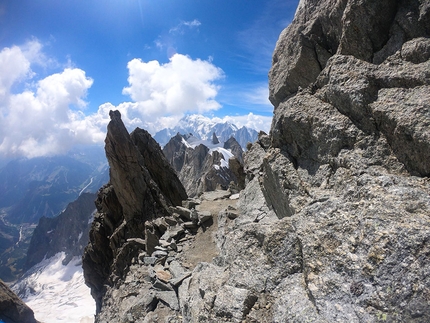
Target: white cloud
[[50, 115], [14, 66], [194, 23], [179, 86], [179, 29], [46, 119]]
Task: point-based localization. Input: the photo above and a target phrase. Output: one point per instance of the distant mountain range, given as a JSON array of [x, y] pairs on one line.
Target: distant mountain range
[[203, 128], [41, 187]]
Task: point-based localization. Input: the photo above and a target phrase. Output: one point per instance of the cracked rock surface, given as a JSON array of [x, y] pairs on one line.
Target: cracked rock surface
[[333, 224]]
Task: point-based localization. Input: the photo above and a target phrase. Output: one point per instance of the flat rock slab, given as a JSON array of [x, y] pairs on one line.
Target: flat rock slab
[[215, 195]]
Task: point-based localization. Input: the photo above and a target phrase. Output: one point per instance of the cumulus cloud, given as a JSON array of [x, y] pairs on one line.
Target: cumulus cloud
[[47, 118], [14, 66], [173, 88]]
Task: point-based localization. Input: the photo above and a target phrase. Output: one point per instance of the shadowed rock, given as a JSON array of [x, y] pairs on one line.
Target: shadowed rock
[[12, 308]]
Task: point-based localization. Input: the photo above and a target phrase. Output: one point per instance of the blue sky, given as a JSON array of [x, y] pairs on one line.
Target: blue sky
[[65, 64]]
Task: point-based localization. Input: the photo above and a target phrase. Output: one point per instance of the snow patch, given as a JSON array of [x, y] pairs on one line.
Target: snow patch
[[91, 181], [57, 293], [225, 153], [186, 143]]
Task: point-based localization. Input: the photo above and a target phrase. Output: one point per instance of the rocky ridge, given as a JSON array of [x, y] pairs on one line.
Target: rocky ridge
[[151, 289], [126, 203], [332, 225], [203, 166]]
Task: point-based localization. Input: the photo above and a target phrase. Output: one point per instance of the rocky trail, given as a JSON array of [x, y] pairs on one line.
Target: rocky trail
[[202, 247], [172, 249]]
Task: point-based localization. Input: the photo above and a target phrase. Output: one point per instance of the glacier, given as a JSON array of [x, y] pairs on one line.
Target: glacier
[[56, 292]]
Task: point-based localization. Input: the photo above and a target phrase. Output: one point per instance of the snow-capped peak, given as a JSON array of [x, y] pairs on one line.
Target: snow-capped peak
[[203, 128]]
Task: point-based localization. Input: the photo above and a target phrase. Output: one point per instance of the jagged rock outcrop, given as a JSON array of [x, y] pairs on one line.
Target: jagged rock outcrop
[[371, 31], [158, 166], [131, 198], [232, 145], [12, 308], [215, 140], [202, 169], [68, 232], [334, 216], [333, 223]]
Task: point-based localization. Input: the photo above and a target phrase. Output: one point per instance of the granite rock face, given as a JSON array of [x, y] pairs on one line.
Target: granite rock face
[[370, 31], [333, 223]]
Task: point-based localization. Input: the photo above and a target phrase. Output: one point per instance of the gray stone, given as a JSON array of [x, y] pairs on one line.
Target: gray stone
[[149, 260], [161, 286], [176, 269], [159, 254], [179, 279], [190, 203], [189, 225], [184, 213], [12, 308], [169, 298], [234, 303], [203, 216], [174, 233], [138, 241], [151, 239]]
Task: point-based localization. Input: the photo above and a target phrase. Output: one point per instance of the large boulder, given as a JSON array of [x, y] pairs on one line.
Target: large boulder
[[368, 30]]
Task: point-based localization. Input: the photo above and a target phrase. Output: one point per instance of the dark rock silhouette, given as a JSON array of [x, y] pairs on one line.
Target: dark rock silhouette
[[12, 308]]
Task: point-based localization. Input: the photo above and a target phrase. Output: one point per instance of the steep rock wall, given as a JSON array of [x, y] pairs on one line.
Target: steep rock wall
[[334, 223]]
